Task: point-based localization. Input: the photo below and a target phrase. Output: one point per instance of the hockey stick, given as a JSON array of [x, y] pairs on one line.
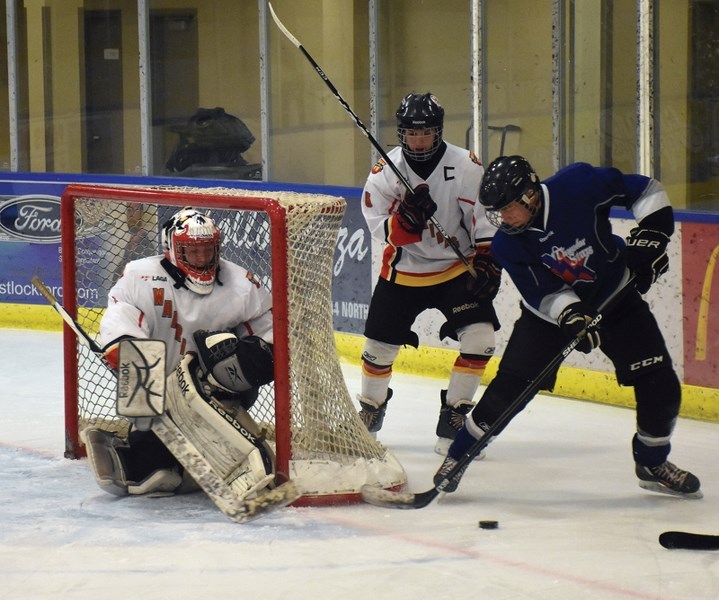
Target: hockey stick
[[74, 325], [681, 540], [438, 226], [387, 498], [237, 509]]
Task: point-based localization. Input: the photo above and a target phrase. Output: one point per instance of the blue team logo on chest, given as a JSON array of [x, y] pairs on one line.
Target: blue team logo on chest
[[570, 263]]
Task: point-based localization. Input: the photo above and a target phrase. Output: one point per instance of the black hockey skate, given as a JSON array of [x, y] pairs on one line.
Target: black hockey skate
[[373, 416], [444, 470], [667, 478], [451, 419]]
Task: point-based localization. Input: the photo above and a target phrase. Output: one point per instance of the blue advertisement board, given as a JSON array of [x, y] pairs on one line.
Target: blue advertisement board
[[30, 241]]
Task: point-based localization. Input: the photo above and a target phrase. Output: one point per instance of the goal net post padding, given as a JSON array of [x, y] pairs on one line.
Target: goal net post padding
[[287, 240]]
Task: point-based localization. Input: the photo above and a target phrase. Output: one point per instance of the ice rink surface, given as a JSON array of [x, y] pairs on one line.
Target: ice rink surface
[[572, 521]]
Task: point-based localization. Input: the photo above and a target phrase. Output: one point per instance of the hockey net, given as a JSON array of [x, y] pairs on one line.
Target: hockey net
[[288, 241]]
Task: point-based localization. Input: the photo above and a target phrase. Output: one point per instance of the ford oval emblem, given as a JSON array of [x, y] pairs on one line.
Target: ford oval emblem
[[32, 218]]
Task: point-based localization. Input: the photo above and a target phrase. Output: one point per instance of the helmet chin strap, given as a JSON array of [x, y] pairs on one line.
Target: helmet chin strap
[[177, 276]]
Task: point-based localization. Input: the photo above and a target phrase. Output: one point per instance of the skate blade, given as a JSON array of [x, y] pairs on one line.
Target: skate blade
[[655, 486]]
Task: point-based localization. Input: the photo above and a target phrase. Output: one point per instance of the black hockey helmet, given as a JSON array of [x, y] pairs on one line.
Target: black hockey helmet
[[509, 179], [420, 111]]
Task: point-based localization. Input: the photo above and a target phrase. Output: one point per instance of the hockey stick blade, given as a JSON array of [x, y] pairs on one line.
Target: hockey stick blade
[[681, 540]]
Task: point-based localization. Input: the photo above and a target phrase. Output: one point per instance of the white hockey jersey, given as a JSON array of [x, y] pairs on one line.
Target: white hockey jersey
[[427, 259], [145, 303]]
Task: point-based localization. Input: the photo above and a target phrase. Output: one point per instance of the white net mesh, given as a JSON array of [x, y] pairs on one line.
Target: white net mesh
[[328, 451]]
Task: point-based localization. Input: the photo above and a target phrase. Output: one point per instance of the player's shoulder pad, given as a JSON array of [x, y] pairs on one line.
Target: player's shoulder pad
[[379, 166], [474, 158]]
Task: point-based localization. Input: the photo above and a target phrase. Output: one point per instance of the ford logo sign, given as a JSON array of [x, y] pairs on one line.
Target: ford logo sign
[[32, 219]]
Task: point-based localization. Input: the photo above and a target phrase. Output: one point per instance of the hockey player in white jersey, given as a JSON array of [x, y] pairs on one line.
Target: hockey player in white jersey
[[419, 268], [215, 319]]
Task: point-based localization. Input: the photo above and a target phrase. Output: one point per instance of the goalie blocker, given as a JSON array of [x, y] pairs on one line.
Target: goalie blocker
[[223, 433]]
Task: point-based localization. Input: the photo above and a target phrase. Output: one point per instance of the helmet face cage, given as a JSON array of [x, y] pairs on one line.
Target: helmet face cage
[[420, 113], [527, 201], [192, 244], [509, 180]]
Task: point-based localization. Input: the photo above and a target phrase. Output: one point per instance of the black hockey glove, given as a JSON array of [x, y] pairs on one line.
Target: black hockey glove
[[647, 256], [234, 364], [416, 209], [489, 274], [573, 321]]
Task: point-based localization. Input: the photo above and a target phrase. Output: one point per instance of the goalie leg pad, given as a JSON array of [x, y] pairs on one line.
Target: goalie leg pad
[[163, 482], [231, 444], [105, 461], [114, 464]]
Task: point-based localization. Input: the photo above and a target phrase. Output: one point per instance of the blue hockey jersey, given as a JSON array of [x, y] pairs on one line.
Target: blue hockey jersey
[[569, 252]]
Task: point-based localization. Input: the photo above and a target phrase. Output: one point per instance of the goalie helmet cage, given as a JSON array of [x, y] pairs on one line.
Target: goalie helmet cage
[[287, 240]]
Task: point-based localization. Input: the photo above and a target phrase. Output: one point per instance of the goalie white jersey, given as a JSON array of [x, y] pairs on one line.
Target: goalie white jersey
[[145, 302]]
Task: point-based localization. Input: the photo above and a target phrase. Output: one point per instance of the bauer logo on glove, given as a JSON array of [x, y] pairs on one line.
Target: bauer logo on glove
[[647, 256]]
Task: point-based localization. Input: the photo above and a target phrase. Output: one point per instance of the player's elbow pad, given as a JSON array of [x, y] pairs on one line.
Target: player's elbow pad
[[111, 352]]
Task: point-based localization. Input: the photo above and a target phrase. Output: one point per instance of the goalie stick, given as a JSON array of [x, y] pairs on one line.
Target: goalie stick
[[237, 509], [438, 226], [682, 540], [389, 499]]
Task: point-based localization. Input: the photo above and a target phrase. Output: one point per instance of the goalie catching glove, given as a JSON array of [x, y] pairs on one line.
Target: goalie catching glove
[[234, 364], [647, 256], [416, 209], [573, 322]]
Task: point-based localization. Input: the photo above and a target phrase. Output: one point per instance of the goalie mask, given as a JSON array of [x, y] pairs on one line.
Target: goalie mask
[[191, 242], [420, 121]]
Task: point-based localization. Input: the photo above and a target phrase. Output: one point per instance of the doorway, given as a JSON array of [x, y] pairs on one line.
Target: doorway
[[104, 151], [175, 78]]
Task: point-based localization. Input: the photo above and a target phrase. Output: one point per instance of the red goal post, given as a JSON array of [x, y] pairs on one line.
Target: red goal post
[[287, 240]]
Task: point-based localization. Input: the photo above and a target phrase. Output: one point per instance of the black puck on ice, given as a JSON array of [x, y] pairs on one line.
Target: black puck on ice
[[488, 524]]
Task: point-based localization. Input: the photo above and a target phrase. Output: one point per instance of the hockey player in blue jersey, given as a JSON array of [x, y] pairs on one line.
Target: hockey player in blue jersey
[[555, 241]]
